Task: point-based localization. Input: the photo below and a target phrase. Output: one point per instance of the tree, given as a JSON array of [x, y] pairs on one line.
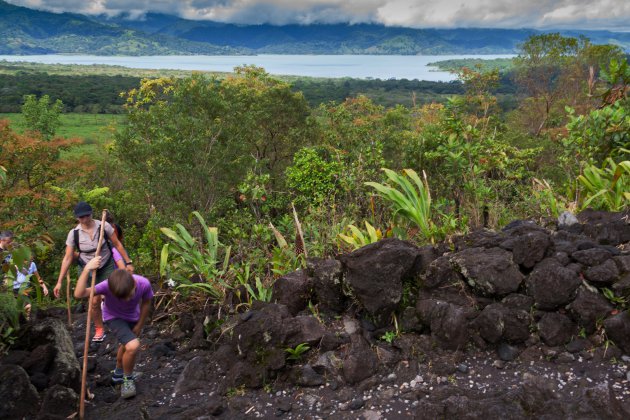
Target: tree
[[268, 118], [187, 141], [33, 197], [42, 115], [554, 71], [172, 148]]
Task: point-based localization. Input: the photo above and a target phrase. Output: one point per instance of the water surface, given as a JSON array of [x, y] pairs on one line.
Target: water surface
[[355, 66]]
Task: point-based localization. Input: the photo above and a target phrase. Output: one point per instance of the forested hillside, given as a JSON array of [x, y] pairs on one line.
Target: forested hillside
[[27, 31]]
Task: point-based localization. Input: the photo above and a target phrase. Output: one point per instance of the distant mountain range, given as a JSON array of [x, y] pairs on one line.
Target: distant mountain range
[[26, 31]]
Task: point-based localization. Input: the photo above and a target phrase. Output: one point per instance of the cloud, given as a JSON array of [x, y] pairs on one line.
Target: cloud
[[578, 14]]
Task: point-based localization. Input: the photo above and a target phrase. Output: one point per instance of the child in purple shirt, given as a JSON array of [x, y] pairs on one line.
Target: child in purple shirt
[[125, 310]]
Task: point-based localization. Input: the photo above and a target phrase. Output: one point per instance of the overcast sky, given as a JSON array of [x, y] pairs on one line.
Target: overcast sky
[[544, 14]]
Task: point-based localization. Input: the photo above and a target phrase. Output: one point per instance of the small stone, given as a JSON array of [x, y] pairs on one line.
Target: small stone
[[356, 404], [565, 357], [618, 375], [499, 364], [247, 315], [284, 406], [507, 352], [372, 415], [625, 358], [462, 368], [567, 219]]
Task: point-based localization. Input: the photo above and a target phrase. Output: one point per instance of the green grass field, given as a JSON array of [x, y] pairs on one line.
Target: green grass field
[[94, 129]]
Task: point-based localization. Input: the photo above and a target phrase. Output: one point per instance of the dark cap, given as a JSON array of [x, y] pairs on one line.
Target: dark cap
[[7, 234], [82, 209]]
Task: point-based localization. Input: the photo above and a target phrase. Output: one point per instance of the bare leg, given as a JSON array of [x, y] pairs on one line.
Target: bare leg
[[97, 313], [129, 352], [119, 356]]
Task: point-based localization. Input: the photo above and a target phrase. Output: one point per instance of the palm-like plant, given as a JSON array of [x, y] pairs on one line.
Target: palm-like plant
[[190, 258], [410, 197], [357, 239], [607, 188]]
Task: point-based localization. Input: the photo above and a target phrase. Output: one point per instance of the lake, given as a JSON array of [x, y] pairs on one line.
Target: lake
[[355, 66]]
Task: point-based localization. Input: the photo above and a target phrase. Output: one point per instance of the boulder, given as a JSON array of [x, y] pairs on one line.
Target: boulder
[[603, 274], [197, 374], [64, 369], [498, 322], [530, 248], [40, 359], [588, 308], [409, 320], [448, 323], [440, 272], [375, 274], [562, 257], [305, 375], [605, 227], [592, 256], [361, 362], [556, 329], [18, 397], [259, 340], [622, 287], [518, 301], [60, 401], [480, 238], [623, 263], [618, 330], [427, 254], [491, 272], [327, 277], [293, 290], [552, 285], [303, 329]]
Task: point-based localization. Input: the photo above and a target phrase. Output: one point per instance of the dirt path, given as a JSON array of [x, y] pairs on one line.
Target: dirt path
[[407, 390]]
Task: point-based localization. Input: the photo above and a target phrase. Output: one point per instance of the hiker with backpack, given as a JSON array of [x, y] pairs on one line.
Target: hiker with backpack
[[84, 238]]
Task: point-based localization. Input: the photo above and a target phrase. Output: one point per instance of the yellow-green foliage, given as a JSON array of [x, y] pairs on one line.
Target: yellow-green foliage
[[357, 239]]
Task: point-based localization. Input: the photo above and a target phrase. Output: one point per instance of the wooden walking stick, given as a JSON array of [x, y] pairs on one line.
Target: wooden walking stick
[[68, 299], [87, 325]]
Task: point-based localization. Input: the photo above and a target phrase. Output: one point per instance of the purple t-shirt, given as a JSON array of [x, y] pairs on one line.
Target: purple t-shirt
[[129, 310]]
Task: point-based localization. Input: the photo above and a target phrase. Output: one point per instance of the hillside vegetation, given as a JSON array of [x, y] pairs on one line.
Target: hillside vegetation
[[226, 183]]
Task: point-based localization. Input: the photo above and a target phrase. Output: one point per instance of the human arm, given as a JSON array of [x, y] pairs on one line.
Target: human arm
[[41, 283], [118, 259], [121, 249], [82, 291], [145, 306], [65, 265]]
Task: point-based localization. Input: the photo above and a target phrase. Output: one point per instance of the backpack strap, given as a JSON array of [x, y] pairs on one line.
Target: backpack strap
[[76, 240], [78, 248]]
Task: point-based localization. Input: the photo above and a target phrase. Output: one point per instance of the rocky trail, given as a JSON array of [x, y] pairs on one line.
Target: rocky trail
[[510, 324]]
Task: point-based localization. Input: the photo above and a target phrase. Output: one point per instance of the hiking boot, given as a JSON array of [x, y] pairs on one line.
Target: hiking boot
[[118, 379], [128, 388]]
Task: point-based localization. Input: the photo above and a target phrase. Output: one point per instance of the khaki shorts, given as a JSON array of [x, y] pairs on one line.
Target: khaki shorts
[[102, 273]]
